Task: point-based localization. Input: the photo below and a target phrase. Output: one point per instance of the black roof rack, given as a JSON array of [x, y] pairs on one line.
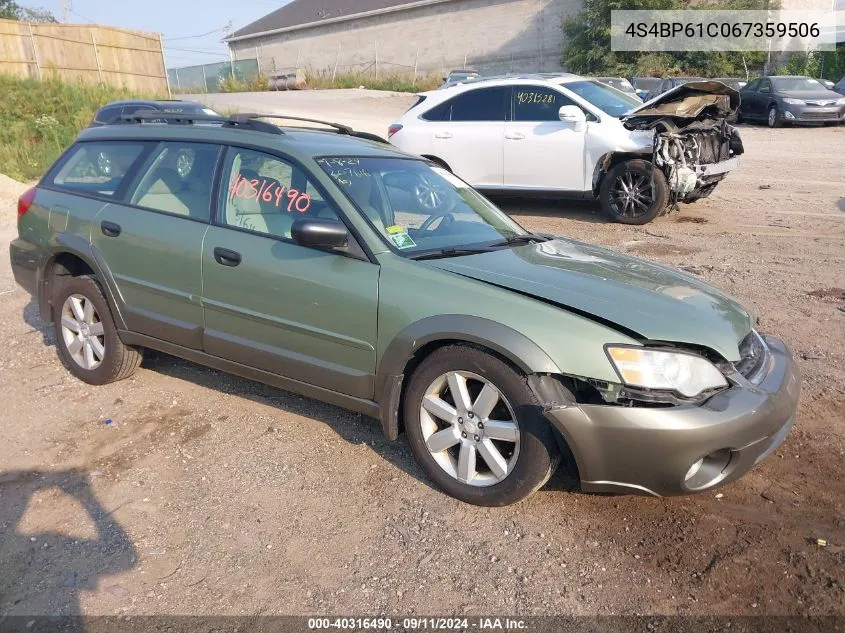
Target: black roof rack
[[189, 118], [339, 127], [249, 121]]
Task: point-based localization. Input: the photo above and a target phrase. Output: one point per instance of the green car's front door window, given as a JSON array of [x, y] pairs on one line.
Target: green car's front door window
[[420, 209]]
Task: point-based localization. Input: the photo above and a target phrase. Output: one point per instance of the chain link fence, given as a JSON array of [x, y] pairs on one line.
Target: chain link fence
[[209, 77]]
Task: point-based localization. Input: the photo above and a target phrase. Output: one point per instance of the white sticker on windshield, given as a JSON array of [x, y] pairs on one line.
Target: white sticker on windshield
[[450, 177]]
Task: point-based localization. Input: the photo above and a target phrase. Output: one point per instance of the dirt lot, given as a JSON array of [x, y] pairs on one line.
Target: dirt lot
[[211, 494]]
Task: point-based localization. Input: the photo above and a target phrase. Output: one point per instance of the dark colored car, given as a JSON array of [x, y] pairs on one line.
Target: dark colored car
[[644, 85], [783, 100], [620, 83], [460, 75], [667, 83], [840, 86], [116, 109], [734, 82], [737, 84]]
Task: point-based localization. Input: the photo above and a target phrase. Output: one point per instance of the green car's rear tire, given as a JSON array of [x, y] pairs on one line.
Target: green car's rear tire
[[634, 192], [86, 336], [477, 429]]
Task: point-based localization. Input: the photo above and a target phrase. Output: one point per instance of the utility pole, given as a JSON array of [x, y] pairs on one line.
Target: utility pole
[[67, 5]]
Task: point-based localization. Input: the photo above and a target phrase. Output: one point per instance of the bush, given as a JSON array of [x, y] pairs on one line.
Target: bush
[[397, 82], [236, 84], [39, 119]]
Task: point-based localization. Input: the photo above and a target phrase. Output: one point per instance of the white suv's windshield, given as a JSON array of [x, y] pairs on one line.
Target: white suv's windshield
[[421, 210], [613, 102]]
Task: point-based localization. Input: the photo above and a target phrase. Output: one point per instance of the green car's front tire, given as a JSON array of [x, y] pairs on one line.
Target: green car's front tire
[[477, 429]]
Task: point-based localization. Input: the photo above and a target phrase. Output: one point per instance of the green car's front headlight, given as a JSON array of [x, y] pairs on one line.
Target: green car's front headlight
[[686, 374]]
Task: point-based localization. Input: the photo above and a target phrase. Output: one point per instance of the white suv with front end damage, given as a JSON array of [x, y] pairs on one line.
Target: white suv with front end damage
[[565, 135]]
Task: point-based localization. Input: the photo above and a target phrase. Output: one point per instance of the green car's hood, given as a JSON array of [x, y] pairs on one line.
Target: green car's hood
[[657, 303]]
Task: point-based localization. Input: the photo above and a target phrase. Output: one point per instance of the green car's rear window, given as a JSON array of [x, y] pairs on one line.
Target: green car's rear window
[[97, 168]]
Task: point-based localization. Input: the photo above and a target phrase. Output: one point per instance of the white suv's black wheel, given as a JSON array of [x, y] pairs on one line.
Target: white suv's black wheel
[[634, 192], [86, 336], [476, 428]]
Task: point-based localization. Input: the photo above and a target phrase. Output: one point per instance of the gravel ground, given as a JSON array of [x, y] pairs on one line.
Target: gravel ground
[[211, 494]]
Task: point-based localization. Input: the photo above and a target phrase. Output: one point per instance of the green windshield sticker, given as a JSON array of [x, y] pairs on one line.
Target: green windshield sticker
[[402, 240]]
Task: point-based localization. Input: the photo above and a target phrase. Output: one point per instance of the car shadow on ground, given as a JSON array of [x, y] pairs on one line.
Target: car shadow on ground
[[581, 210], [32, 317], [40, 569]]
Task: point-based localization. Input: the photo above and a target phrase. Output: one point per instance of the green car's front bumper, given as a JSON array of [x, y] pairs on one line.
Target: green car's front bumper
[[655, 450]]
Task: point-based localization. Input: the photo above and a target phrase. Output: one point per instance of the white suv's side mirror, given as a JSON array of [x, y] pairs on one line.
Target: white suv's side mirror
[[574, 115]]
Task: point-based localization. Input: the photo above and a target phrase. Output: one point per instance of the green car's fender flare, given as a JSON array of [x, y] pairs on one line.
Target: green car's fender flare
[[450, 328], [79, 247]]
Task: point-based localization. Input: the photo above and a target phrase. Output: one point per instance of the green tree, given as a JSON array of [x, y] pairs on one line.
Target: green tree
[[832, 63], [10, 10]]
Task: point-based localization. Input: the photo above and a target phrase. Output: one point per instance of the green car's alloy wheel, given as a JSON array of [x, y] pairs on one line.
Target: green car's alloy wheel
[[86, 336], [476, 429], [82, 332], [469, 428]]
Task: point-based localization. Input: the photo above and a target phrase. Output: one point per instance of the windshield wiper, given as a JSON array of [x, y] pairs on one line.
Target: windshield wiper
[[513, 240], [452, 252], [526, 238]]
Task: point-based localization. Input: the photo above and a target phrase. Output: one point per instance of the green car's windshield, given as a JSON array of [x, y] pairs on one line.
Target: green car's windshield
[[420, 209], [613, 102]]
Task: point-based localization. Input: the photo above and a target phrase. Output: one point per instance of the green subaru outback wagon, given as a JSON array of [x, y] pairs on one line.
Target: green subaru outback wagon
[[330, 264]]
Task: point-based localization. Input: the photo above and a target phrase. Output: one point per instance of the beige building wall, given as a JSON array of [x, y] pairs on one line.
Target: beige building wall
[[497, 35]]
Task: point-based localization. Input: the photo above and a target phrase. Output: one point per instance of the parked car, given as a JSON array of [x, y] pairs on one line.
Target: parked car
[[644, 85], [566, 135], [734, 82], [840, 86], [348, 271], [667, 83], [460, 75], [114, 110], [783, 100], [620, 83], [737, 84]]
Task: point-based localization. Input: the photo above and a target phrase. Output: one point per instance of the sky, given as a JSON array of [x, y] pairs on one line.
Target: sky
[[192, 29]]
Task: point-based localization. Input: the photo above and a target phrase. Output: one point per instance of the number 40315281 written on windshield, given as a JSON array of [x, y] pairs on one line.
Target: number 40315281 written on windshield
[[270, 191]]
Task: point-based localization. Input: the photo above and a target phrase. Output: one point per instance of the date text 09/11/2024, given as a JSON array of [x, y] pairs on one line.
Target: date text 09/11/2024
[[419, 624]]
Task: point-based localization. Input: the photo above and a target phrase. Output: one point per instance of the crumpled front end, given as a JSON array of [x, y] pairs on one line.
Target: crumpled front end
[[694, 146], [685, 448]]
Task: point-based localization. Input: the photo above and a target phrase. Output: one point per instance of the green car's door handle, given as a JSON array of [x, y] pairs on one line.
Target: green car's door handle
[[110, 229], [226, 257]]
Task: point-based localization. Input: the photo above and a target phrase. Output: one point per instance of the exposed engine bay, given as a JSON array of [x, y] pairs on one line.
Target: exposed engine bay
[[694, 145]]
